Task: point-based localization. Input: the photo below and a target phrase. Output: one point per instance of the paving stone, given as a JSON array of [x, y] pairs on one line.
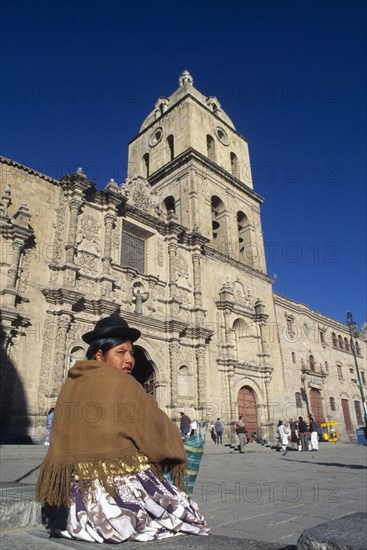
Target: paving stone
[[345, 533]]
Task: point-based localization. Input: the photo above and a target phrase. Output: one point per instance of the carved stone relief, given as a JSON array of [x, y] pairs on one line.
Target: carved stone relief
[[139, 194], [160, 253], [182, 268], [59, 243], [24, 272]]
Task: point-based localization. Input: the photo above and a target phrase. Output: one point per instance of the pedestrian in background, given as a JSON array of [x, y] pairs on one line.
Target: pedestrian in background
[[303, 433], [241, 432], [213, 435], [185, 423], [49, 420], [219, 431], [284, 433], [313, 432]]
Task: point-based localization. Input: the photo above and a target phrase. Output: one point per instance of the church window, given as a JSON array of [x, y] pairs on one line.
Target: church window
[[346, 344], [357, 407], [169, 203], [234, 165], [311, 362], [171, 147], [340, 341], [322, 336], [358, 349], [293, 357], [340, 372], [298, 400], [363, 378], [133, 247], [244, 238], [326, 366], [332, 404], [146, 163], [334, 340], [210, 147]]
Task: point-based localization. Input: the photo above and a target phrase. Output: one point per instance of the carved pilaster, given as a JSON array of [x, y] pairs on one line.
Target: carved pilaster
[[75, 205], [196, 262], [173, 352], [201, 375], [261, 318], [17, 246], [63, 323], [106, 260], [59, 231]]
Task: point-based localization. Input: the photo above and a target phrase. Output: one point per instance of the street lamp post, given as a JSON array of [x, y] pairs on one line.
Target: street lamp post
[[353, 331]]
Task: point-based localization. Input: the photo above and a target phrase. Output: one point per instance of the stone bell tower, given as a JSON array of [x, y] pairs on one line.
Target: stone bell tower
[[199, 167]]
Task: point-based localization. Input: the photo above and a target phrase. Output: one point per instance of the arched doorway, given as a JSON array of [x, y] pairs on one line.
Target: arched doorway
[[143, 371], [247, 408], [316, 406]]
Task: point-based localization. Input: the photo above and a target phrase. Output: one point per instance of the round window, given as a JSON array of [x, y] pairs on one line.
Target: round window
[[222, 135], [156, 137]]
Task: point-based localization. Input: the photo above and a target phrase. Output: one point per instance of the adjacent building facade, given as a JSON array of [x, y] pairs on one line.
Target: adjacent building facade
[[178, 251]]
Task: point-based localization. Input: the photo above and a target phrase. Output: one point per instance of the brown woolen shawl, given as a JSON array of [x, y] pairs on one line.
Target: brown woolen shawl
[[104, 418]]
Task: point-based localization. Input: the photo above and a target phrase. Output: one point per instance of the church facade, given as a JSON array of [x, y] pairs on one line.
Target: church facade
[[178, 251]]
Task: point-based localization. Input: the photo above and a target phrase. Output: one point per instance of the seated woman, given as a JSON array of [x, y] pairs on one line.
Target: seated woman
[[102, 478]]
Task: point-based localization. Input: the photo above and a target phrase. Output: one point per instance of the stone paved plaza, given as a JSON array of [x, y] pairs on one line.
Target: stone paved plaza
[[258, 496]]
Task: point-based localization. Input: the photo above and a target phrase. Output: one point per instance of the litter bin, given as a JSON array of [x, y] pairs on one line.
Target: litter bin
[[361, 436]]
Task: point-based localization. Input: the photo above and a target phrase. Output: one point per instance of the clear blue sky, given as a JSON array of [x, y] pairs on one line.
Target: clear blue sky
[[79, 77]]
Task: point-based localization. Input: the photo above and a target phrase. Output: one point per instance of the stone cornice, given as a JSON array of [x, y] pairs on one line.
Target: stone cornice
[[191, 154], [212, 253]]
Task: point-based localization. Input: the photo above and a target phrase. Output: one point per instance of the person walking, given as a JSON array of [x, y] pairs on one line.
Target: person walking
[[283, 432], [218, 426], [303, 433], [314, 435], [241, 432]]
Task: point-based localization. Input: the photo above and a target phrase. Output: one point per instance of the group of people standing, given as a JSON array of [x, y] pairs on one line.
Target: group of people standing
[[304, 435]]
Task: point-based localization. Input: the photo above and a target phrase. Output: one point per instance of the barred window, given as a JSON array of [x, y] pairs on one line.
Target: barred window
[[133, 249]]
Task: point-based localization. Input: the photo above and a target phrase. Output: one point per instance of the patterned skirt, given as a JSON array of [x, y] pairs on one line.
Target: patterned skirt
[[145, 508]]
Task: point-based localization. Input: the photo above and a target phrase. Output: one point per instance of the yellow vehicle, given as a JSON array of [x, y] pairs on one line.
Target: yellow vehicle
[[330, 431]]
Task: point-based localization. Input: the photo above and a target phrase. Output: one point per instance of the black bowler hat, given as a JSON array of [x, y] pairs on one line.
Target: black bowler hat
[[111, 327]]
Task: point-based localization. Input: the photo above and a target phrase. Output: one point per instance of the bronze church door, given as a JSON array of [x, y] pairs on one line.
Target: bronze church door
[[316, 406], [247, 408]]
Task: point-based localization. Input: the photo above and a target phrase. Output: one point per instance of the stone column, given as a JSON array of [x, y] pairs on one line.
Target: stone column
[[106, 260], [196, 262], [75, 205], [17, 246], [172, 249], [63, 323], [173, 352], [261, 319], [201, 375]]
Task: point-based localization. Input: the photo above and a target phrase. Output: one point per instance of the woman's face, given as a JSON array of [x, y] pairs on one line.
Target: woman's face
[[120, 357]]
